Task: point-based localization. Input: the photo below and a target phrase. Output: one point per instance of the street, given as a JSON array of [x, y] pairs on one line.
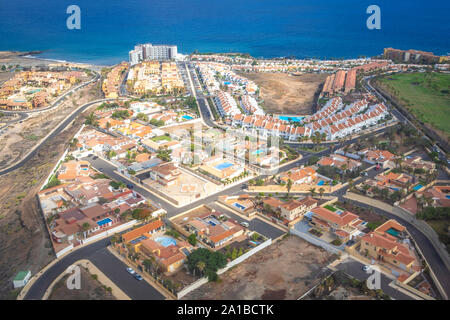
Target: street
[[355, 269]]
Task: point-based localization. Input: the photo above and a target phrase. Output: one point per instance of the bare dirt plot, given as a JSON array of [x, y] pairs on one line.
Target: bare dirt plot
[[288, 94], [282, 271], [19, 138], [24, 240], [90, 289]]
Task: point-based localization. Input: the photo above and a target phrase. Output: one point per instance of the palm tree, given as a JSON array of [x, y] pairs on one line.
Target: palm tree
[[321, 191], [201, 266], [312, 191], [289, 186]]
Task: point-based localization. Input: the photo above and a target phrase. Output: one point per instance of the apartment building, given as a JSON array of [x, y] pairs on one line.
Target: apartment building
[[142, 52]]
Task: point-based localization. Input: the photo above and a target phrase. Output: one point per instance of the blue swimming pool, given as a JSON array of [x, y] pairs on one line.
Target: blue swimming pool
[[186, 117], [418, 187], [104, 221], [166, 241], [321, 183], [223, 165], [258, 151], [291, 118], [394, 188], [448, 197], [239, 206]]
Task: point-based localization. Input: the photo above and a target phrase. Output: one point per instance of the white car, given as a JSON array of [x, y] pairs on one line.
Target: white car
[[366, 268], [131, 271], [244, 224]]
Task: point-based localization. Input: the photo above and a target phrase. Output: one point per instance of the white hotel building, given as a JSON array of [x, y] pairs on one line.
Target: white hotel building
[[148, 51]]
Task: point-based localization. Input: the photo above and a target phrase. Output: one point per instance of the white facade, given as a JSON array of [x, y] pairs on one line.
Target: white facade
[[148, 51]]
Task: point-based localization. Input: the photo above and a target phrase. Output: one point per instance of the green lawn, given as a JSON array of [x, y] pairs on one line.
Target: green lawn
[[426, 95], [160, 138], [331, 208]]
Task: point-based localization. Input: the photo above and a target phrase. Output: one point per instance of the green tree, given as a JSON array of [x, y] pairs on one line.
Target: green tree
[[192, 239], [289, 186]]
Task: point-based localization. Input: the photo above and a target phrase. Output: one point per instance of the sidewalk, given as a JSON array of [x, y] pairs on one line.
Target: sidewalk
[[33, 279], [168, 295]]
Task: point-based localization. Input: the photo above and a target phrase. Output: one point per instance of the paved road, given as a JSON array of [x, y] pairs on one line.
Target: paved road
[[113, 267], [354, 269], [432, 256], [106, 262], [55, 132], [256, 224]]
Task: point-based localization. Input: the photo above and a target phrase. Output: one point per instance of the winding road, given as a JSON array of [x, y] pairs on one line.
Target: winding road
[[115, 269]]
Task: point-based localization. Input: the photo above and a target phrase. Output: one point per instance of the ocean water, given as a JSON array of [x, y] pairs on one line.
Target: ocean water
[[263, 28]]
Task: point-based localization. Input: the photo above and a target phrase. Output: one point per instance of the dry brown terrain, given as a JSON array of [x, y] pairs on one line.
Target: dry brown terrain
[[90, 289], [24, 240], [283, 271], [287, 94], [19, 138]]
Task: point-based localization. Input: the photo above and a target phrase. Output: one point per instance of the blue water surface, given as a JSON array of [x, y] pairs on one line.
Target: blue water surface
[[262, 28]]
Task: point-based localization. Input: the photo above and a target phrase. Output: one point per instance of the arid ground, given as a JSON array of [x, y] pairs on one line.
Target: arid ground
[[90, 289], [24, 240], [283, 271], [288, 94]]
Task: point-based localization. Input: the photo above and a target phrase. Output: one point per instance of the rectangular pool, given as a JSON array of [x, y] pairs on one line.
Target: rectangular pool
[[239, 206], [104, 221], [291, 118], [418, 187], [186, 117], [223, 165]]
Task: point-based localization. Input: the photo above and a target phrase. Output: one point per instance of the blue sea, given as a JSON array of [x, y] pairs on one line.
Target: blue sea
[[262, 28]]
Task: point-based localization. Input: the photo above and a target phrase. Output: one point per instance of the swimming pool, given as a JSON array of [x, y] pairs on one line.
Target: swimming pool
[[239, 206], [33, 91], [395, 189], [258, 151], [166, 241], [186, 117], [291, 118], [104, 221], [418, 187], [393, 232], [321, 183], [448, 197], [223, 165]]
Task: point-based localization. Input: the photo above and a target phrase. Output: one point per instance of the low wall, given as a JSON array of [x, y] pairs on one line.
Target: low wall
[[231, 264], [147, 186], [55, 168], [64, 251], [110, 231], [302, 188], [422, 226], [316, 242]]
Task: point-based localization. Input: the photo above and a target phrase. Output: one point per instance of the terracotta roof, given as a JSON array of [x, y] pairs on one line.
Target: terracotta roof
[[133, 234]]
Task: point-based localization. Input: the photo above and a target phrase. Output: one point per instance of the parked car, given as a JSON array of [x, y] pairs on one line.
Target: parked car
[[130, 186], [244, 224], [138, 276], [131, 271], [365, 268]]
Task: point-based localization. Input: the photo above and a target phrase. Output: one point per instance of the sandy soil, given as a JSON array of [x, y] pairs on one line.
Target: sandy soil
[[91, 289], [24, 240], [282, 271], [19, 138], [288, 94]]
